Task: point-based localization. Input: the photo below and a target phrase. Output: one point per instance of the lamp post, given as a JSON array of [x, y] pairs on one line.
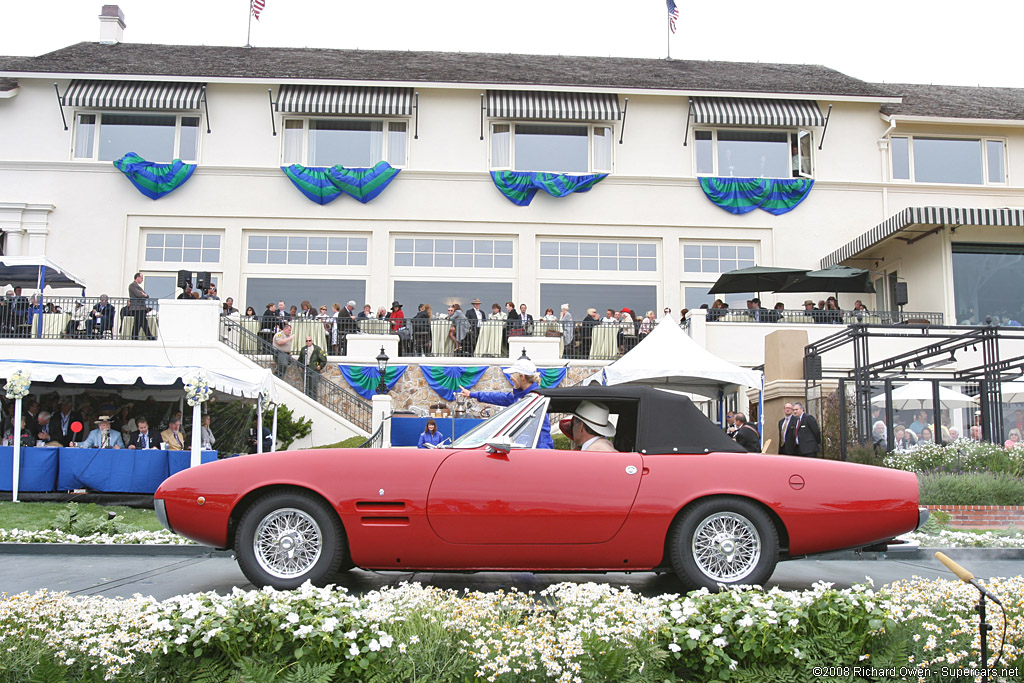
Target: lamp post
[[382, 366]]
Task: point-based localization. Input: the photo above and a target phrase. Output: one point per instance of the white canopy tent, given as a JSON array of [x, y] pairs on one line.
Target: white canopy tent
[[241, 382], [670, 358], [36, 272]]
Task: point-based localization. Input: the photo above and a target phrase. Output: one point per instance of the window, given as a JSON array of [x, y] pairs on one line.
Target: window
[[441, 293], [307, 250], [987, 281], [551, 148], [695, 295], [260, 291], [716, 258], [597, 295], [179, 247], [346, 142], [154, 137], [453, 253], [608, 256], [960, 161], [753, 154]]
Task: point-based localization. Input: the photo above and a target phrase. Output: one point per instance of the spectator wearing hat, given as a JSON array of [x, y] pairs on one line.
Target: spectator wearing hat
[[103, 436], [591, 429], [476, 318], [525, 379], [398, 327], [811, 311], [174, 436]]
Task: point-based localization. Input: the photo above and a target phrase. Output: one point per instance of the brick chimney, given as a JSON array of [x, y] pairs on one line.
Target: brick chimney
[[111, 25]]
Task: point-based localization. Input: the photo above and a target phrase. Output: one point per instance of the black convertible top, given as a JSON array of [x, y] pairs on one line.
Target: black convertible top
[[650, 421]]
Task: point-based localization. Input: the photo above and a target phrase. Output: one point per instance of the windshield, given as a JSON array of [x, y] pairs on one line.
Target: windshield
[[486, 430]]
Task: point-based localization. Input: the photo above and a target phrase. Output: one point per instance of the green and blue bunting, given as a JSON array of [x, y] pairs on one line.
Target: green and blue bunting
[[151, 179], [549, 377], [519, 187], [365, 378], [741, 195], [446, 379], [323, 185]]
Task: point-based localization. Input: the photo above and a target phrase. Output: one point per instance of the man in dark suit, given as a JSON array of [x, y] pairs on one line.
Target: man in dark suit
[[102, 317], [785, 425], [346, 325], [137, 306], [746, 435], [143, 438], [807, 434], [527, 320], [60, 424], [476, 317]]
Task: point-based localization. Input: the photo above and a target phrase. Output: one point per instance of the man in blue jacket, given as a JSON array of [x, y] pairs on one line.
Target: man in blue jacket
[[524, 380]]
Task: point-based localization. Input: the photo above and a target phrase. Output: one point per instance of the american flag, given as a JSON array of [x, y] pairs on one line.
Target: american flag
[[673, 14], [256, 6]]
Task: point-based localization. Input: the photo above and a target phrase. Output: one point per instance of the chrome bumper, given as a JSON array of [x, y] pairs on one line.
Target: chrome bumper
[[160, 507], [922, 517]]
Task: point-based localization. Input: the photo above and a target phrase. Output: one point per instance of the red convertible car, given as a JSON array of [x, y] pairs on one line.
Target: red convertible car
[[679, 495]]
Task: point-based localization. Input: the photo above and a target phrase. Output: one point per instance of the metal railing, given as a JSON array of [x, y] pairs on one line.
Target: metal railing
[[349, 405], [54, 317], [376, 439], [840, 317]]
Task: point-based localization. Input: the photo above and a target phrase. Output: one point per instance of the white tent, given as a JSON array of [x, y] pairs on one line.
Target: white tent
[[36, 272], [669, 357], [242, 382]]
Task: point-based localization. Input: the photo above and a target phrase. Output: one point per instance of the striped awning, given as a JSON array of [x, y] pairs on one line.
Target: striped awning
[[565, 106], [735, 111], [338, 99], [133, 95], [923, 215]]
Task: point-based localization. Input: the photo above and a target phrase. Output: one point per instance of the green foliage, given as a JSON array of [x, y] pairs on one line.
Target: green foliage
[[48, 671], [865, 456], [37, 516], [970, 489], [71, 520], [562, 442], [960, 456], [289, 429], [831, 427], [351, 442]]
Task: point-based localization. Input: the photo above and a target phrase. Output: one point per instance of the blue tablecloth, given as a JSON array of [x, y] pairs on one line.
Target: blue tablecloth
[[405, 431], [120, 470], [38, 469]]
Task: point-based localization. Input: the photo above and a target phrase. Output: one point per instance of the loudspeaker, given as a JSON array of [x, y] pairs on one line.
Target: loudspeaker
[[812, 367], [202, 281], [184, 277], [899, 292]]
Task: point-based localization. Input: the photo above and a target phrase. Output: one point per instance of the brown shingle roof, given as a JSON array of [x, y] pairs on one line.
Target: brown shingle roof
[[8, 84], [957, 101], [443, 67]]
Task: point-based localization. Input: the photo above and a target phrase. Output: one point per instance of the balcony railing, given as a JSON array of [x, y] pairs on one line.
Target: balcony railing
[[349, 405], [802, 317], [78, 317]]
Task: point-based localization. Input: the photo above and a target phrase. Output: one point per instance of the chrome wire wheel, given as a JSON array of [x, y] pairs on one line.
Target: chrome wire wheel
[[726, 547], [287, 543]]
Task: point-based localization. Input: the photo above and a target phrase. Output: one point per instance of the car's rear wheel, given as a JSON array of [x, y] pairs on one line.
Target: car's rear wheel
[[287, 538], [723, 541]]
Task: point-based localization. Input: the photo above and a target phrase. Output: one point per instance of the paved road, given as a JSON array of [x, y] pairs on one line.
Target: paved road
[[164, 577]]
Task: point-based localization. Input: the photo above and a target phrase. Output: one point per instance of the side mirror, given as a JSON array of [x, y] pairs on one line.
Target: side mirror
[[501, 445]]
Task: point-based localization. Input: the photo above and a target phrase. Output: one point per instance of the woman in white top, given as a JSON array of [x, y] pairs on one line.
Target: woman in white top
[[566, 321], [206, 435]]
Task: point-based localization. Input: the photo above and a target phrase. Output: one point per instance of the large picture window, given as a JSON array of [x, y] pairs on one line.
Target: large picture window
[[154, 137], [347, 142], [178, 247], [753, 153], [453, 253], [987, 282], [717, 258], [960, 161], [551, 148], [307, 250], [608, 256]]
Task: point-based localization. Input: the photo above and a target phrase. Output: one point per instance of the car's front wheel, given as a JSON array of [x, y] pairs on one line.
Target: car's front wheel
[[287, 538], [723, 541]]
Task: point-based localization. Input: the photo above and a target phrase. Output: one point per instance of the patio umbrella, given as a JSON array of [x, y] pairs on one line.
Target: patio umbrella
[[835, 279], [919, 395], [1013, 392], [756, 279]]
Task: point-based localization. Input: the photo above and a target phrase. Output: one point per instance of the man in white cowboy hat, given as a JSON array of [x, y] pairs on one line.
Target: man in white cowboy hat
[[591, 430], [525, 378], [103, 436]]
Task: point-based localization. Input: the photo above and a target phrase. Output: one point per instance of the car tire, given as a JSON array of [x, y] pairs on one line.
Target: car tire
[[287, 538], [723, 541]]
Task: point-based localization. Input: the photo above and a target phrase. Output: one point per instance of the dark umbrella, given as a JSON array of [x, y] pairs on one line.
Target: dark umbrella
[[835, 279], [756, 279]]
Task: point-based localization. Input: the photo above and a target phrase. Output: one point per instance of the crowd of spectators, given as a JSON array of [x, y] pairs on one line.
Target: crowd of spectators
[[826, 311]]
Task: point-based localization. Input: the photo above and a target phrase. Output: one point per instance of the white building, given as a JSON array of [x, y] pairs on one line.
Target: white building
[[646, 237]]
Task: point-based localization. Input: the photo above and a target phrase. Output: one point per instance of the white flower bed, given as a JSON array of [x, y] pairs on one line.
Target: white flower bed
[[161, 537], [947, 538]]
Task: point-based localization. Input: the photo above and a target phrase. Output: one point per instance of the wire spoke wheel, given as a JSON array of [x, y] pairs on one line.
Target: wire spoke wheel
[[287, 543], [726, 547]]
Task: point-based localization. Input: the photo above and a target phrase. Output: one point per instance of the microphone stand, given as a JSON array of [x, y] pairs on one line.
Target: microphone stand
[[983, 626]]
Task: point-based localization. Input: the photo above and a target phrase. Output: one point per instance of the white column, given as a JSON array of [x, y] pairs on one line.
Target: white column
[[259, 424], [698, 326], [381, 407], [273, 432], [197, 426], [16, 465]]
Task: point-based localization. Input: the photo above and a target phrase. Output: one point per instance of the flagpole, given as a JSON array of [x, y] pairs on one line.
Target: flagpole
[[668, 38], [248, 33]]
